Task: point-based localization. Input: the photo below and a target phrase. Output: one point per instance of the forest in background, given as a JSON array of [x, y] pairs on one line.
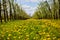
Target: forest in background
[[10, 10], [48, 10]]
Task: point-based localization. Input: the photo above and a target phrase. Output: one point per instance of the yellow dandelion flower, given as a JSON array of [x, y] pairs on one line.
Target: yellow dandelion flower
[[43, 32], [2, 35], [9, 34], [14, 37], [7, 31], [44, 26], [18, 29], [27, 35], [44, 39], [48, 35], [32, 28], [19, 37], [34, 38], [37, 37], [8, 38], [54, 37], [19, 32]]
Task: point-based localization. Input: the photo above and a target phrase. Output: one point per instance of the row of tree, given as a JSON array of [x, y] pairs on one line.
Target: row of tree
[[10, 10], [49, 9]]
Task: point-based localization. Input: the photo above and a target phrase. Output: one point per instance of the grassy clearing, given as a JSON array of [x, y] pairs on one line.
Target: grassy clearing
[[30, 29]]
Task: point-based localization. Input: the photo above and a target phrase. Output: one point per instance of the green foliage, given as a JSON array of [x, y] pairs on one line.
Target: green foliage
[[47, 10], [21, 13], [11, 11]]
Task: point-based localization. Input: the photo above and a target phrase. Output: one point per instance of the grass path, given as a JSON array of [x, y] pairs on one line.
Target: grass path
[[30, 29]]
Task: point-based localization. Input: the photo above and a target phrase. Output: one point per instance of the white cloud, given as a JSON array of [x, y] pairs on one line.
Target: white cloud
[[34, 0], [30, 10], [31, 0]]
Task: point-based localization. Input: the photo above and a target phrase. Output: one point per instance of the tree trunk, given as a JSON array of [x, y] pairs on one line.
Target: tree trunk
[[10, 9], [7, 15], [59, 7], [0, 12], [4, 9], [14, 10]]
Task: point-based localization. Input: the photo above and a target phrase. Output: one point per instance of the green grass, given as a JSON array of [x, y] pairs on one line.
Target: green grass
[[30, 29]]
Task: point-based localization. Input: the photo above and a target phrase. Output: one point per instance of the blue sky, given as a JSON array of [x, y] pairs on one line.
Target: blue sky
[[29, 5]]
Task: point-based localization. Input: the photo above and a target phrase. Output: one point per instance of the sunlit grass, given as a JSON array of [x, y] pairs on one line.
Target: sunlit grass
[[30, 29]]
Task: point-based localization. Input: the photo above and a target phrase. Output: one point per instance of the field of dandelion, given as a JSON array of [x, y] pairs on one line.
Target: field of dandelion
[[30, 29]]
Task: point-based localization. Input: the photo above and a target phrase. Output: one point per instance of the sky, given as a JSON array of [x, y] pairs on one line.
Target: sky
[[29, 5]]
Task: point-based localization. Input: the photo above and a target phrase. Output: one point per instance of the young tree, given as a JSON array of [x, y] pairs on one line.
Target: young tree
[[4, 9], [14, 9], [56, 8], [10, 6], [0, 12], [59, 7]]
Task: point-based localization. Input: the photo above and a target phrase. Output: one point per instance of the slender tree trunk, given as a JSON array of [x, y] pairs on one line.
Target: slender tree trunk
[[14, 10], [4, 9], [54, 9], [50, 16], [0, 12], [59, 7], [10, 9], [7, 15]]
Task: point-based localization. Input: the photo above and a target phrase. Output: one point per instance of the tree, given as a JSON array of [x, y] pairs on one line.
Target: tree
[[55, 9], [59, 7], [4, 9], [14, 9], [46, 10], [10, 6], [0, 12]]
